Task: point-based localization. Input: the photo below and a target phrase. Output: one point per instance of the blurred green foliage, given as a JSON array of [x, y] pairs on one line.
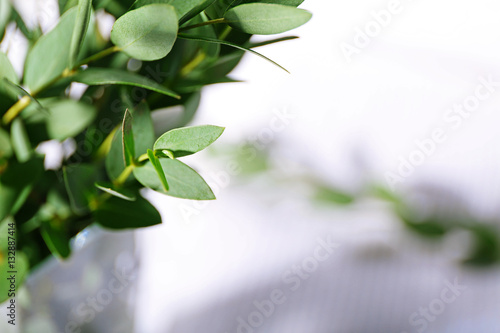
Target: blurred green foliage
[[145, 66]]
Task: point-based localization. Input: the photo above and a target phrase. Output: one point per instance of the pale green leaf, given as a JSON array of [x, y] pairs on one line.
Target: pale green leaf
[[68, 118], [183, 181], [20, 141], [188, 140], [5, 9], [140, 3], [265, 18], [80, 29], [159, 170], [117, 192], [49, 57], [104, 76], [146, 33]]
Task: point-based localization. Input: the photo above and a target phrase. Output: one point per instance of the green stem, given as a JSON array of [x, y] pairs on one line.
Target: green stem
[[16, 109], [225, 33], [97, 56], [21, 104], [124, 175], [215, 21]]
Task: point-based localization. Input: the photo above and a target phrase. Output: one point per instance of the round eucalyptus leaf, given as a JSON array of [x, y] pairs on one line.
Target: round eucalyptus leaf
[[265, 18], [147, 33]]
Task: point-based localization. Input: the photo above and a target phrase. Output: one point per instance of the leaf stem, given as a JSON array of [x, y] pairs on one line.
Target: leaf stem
[[16, 109], [124, 175], [97, 56], [197, 25]]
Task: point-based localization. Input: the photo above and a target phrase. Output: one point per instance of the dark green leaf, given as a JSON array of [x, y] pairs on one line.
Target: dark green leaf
[[16, 184], [5, 146], [80, 29], [147, 33], [49, 57], [116, 213], [486, 245], [272, 41], [128, 139], [187, 9], [20, 141], [21, 264], [115, 161], [79, 180], [188, 140], [183, 181], [266, 19], [103, 76], [56, 239]]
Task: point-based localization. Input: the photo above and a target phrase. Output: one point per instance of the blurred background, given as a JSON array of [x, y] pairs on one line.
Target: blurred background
[[360, 193]]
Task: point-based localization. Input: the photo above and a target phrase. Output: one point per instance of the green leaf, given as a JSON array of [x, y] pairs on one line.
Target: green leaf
[[57, 240], [21, 264], [218, 41], [5, 146], [187, 9], [272, 41], [115, 161], [68, 117], [7, 73], [142, 124], [159, 170], [103, 76], [117, 192], [183, 181], [128, 139], [485, 246], [266, 19], [147, 33], [49, 57], [79, 180], [6, 69], [332, 195], [228, 4], [294, 3], [140, 3], [116, 213], [81, 26], [188, 140], [16, 184], [20, 141], [5, 10]]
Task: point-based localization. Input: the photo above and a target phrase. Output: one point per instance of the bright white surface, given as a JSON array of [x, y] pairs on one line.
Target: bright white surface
[[395, 91]]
